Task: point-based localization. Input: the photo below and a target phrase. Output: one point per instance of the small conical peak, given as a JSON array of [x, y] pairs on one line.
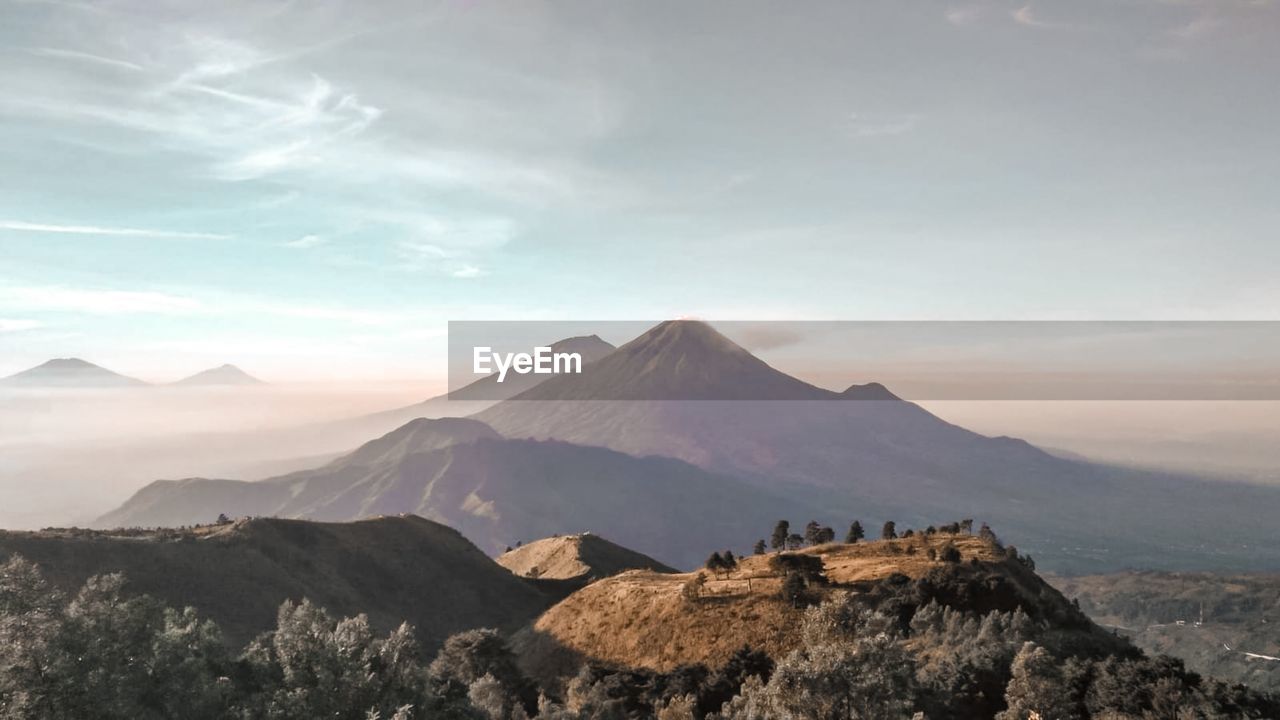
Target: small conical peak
[[69, 364], [869, 391], [685, 336], [225, 374], [68, 372], [678, 360], [590, 347]]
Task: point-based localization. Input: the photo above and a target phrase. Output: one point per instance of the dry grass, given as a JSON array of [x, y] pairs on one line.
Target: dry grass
[[643, 619], [571, 557]]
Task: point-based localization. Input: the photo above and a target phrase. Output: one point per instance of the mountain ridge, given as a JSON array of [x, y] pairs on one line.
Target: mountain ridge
[[70, 372]]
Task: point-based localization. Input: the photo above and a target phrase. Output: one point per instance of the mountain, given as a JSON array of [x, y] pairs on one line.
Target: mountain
[[394, 569], [221, 375], [590, 347], [683, 390], [659, 622], [677, 360], [583, 557], [70, 373], [496, 491]]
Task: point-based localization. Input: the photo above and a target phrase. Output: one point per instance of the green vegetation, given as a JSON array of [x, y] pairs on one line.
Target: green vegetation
[[958, 641]]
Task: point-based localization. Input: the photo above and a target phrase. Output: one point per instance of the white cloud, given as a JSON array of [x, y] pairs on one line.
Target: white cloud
[[23, 226], [1023, 17], [99, 302], [11, 325], [965, 14], [306, 241], [469, 271], [872, 125], [87, 58]]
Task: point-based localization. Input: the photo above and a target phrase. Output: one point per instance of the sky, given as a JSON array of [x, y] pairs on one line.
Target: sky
[[313, 189]]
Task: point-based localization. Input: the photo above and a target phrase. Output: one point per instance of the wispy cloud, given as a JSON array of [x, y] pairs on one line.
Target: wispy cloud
[[98, 301], [85, 57], [469, 271], [24, 226], [1023, 16], [111, 301], [965, 14], [1200, 26], [8, 325], [306, 241], [865, 125]]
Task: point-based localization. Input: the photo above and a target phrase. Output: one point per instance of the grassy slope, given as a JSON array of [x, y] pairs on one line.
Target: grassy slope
[[394, 569], [641, 618]]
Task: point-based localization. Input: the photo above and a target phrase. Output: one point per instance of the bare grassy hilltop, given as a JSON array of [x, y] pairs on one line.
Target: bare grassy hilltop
[[394, 569], [576, 557], [662, 621]]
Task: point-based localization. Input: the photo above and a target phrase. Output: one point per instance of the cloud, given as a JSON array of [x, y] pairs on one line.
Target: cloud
[[23, 226], [99, 302], [87, 58], [1198, 27], [469, 271], [102, 301], [8, 325], [306, 241], [965, 14], [1023, 17], [865, 126]]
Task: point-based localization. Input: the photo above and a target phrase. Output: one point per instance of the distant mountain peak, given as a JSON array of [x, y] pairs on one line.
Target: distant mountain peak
[[678, 360], [869, 391], [225, 374], [69, 372]]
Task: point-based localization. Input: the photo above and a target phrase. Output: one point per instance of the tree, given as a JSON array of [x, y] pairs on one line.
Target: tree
[[793, 587], [826, 535], [813, 533], [759, 548], [989, 535], [715, 563], [1038, 688], [890, 531], [855, 533], [966, 526], [223, 519], [729, 562], [781, 532], [794, 541]]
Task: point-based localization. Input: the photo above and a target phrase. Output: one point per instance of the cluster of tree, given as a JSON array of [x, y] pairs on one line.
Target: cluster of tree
[[783, 539], [946, 663], [722, 563], [685, 693], [962, 642], [816, 534], [104, 653]]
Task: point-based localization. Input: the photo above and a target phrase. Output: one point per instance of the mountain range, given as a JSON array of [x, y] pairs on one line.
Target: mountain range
[[682, 428], [77, 373]]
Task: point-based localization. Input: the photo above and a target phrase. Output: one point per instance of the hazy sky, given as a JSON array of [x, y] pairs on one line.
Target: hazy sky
[[312, 189]]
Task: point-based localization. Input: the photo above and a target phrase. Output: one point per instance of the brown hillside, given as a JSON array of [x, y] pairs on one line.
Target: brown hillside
[[643, 619], [576, 557], [393, 569]]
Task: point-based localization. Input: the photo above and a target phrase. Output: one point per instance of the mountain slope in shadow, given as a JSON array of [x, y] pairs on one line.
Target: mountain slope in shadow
[[496, 491], [394, 569]]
